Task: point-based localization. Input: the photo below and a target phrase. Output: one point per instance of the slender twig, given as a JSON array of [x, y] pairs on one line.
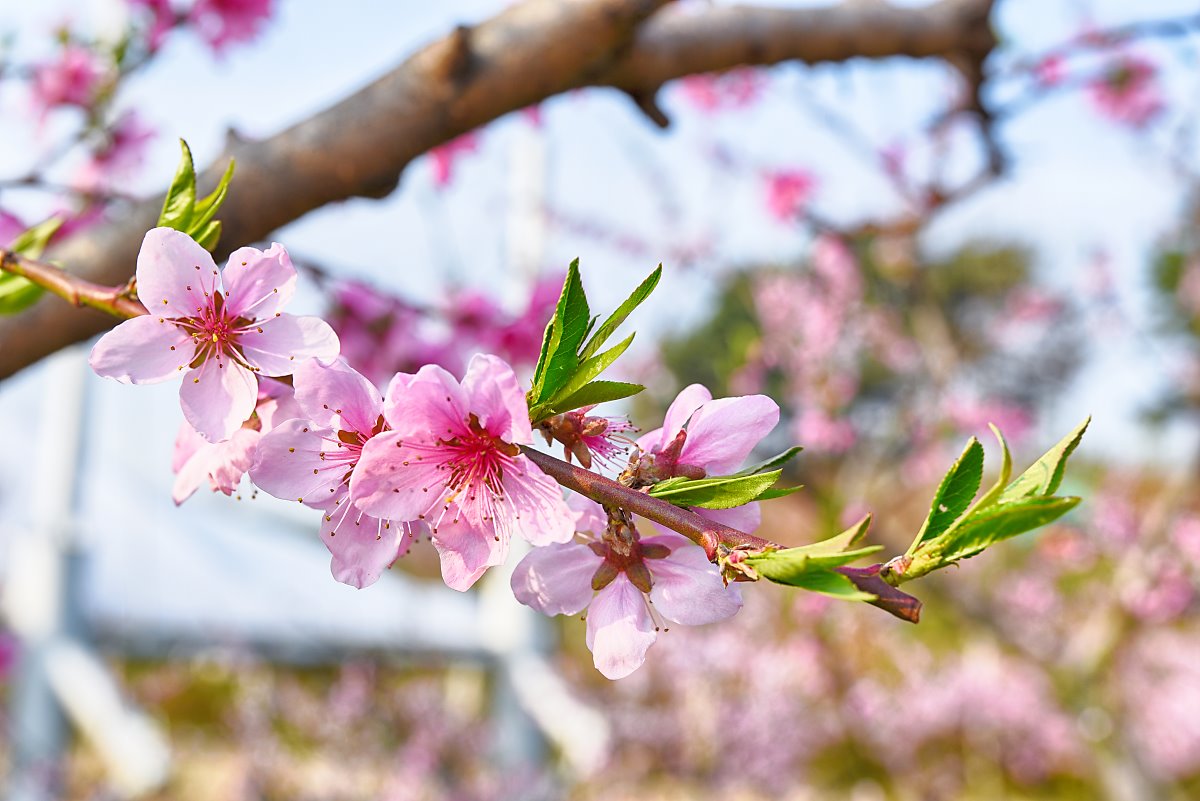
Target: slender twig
[[704, 532], [76, 291]]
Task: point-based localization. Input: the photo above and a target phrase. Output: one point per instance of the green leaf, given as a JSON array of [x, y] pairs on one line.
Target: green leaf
[[209, 235], [207, 207], [17, 293], [560, 345], [720, 492], [623, 311], [779, 492], [991, 496], [32, 242], [1044, 475], [810, 567], [775, 462], [589, 369], [954, 494], [181, 197], [588, 395], [998, 522]]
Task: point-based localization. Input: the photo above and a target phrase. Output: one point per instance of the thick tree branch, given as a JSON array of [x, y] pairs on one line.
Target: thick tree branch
[[532, 51]]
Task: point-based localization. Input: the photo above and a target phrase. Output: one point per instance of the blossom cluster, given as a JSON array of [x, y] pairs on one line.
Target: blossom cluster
[[266, 393]]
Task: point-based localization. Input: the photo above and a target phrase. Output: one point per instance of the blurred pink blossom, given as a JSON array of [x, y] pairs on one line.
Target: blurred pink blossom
[[11, 227], [1127, 91], [718, 91], [121, 157], [443, 157], [971, 415], [221, 23], [162, 20], [1050, 70], [788, 193], [74, 79]]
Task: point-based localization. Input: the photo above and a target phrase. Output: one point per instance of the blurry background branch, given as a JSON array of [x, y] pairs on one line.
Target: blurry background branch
[[530, 52]]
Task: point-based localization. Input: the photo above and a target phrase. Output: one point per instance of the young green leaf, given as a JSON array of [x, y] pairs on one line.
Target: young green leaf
[[954, 494], [1044, 475], [181, 196], [623, 311], [208, 236], [32, 242], [991, 496], [774, 463], [560, 345], [587, 395], [720, 492], [810, 567], [17, 293], [986, 527], [589, 369], [206, 208]]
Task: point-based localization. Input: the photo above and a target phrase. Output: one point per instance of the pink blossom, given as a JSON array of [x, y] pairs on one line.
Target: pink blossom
[[222, 337], [11, 227], [454, 451], [162, 20], [120, 157], [971, 415], [310, 459], [823, 432], [589, 437], [622, 584], [705, 437], [224, 463], [788, 193], [444, 156], [1050, 70], [712, 92], [73, 80], [224, 22], [1127, 91]]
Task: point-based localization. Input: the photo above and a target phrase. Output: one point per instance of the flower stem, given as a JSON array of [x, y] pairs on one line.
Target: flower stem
[[700, 530], [76, 291]]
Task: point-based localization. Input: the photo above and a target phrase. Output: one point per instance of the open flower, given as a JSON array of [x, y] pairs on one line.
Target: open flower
[[623, 581], [705, 437], [223, 337], [453, 455], [224, 463], [310, 459]]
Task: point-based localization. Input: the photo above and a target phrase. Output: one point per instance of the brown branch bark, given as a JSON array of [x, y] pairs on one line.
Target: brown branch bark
[[532, 51]]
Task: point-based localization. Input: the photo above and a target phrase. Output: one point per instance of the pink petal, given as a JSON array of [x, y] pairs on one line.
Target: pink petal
[[589, 515], [391, 482], [362, 546], [651, 440], [541, 514], [432, 407], [495, 396], [258, 283], [721, 434], [175, 276], [744, 518], [299, 462], [277, 409], [689, 399], [556, 579], [139, 351], [222, 463], [688, 589], [337, 396], [217, 397], [187, 442], [619, 629], [287, 340], [466, 551]]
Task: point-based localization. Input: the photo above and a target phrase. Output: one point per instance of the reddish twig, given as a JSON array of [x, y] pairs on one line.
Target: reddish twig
[[76, 291], [706, 533]]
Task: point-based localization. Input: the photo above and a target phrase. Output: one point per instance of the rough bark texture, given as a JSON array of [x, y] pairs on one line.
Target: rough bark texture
[[530, 52]]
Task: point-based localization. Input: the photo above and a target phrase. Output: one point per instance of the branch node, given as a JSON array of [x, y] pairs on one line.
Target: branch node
[[647, 102]]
